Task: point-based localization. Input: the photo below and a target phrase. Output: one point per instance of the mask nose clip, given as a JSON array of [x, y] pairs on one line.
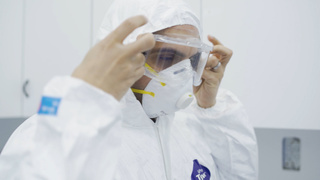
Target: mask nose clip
[[185, 100]]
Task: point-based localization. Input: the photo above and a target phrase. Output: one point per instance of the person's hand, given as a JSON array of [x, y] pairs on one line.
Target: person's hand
[[112, 66], [211, 78]]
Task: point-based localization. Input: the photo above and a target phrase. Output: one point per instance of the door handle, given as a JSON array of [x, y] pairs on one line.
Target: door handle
[[24, 88]]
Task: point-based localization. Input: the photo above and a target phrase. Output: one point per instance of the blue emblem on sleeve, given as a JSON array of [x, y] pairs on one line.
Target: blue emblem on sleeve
[[49, 106], [200, 172]]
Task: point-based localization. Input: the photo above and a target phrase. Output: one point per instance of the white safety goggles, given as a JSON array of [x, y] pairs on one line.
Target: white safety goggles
[[169, 51]]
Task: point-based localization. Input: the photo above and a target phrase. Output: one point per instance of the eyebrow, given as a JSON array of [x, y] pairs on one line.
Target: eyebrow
[[170, 50]]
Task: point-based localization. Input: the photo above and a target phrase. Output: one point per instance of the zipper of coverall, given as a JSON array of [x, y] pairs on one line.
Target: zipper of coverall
[[161, 147]]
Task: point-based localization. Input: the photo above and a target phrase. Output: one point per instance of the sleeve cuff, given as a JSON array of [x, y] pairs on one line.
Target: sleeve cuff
[[224, 102], [81, 103]]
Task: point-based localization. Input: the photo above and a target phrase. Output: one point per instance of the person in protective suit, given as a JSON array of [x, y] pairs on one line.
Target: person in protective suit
[[145, 103]]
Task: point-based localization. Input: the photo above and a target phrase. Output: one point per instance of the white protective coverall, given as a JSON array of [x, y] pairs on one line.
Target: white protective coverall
[[82, 132]]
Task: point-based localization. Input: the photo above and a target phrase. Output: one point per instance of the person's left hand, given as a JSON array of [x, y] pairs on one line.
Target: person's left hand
[[207, 91]]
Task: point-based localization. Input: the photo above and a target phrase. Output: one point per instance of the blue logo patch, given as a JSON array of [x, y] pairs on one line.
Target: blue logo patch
[[200, 172], [49, 106]]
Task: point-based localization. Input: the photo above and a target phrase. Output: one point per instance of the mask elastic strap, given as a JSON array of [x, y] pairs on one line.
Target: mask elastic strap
[[154, 72], [142, 92]]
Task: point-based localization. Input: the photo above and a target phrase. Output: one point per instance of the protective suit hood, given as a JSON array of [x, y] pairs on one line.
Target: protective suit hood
[[160, 13]]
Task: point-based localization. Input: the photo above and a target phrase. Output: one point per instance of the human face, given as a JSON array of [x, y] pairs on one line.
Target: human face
[[164, 55], [175, 31]]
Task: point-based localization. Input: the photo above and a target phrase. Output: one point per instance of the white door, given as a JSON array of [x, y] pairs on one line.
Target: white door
[[57, 37], [11, 23]]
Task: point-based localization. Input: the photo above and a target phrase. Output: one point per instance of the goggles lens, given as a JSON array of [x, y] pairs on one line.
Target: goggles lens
[[169, 52]]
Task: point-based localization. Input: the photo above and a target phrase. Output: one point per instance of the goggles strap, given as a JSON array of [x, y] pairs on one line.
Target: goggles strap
[[142, 92]]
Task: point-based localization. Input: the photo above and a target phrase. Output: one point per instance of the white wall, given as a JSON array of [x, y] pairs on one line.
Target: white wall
[[275, 67]]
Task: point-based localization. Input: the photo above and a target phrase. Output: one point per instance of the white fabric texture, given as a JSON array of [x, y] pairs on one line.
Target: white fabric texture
[[160, 13], [96, 137]]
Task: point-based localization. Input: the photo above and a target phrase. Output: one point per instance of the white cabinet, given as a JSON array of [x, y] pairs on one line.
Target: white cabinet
[[39, 39], [57, 37], [11, 35]]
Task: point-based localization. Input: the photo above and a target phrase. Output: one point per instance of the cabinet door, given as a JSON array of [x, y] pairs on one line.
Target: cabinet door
[[58, 35], [11, 23]]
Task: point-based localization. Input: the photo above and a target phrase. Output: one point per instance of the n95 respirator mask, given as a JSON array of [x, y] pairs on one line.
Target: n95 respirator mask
[[175, 64], [160, 98]]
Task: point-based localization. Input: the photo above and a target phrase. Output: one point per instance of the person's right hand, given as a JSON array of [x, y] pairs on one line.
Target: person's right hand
[[112, 66]]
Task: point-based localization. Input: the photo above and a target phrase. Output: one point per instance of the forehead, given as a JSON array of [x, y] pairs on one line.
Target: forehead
[[188, 31]]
